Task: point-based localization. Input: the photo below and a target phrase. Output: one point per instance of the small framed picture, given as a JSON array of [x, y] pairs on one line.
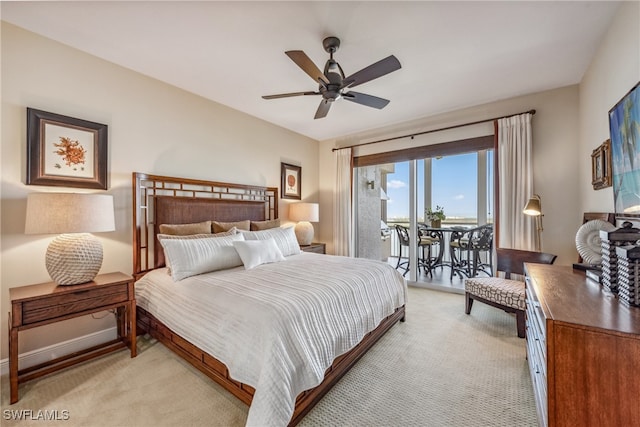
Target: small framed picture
[[65, 152], [601, 166], [291, 181]]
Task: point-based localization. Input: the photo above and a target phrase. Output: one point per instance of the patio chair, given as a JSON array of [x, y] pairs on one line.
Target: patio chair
[[471, 251], [424, 243]]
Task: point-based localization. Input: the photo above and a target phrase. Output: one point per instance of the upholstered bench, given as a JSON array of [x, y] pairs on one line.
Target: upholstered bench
[[505, 293]]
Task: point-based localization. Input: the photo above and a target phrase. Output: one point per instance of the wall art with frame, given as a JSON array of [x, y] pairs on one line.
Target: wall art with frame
[[291, 184], [601, 166], [64, 151], [624, 129]]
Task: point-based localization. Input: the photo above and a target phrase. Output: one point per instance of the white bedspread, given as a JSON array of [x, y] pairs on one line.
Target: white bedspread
[[279, 326]]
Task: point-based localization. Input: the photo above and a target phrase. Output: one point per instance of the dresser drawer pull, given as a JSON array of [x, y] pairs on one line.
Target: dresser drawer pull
[[82, 292]]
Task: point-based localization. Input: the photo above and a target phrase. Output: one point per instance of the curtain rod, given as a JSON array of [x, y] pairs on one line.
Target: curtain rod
[[432, 130]]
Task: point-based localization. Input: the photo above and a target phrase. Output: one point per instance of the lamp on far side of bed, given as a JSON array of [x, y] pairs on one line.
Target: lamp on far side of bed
[[75, 256], [304, 214]]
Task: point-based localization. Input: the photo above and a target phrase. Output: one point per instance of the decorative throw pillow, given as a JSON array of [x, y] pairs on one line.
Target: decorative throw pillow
[[191, 236], [219, 227], [184, 229], [264, 225], [188, 257], [231, 232], [285, 239], [256, 252]]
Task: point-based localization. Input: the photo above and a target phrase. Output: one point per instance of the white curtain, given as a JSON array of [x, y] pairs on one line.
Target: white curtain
[[342, 212], [515, 171]]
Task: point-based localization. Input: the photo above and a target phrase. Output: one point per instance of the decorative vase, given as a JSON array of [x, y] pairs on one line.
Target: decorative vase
[[435, 223]]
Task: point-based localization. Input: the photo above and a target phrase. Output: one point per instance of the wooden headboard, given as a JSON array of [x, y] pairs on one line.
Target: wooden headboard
[[169, 200]]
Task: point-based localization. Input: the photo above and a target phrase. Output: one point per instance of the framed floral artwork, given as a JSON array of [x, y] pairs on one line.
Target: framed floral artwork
[[601, 166], [291, 181], [65, 152]]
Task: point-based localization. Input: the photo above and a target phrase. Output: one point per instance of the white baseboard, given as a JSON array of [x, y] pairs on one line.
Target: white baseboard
[[54, 351]]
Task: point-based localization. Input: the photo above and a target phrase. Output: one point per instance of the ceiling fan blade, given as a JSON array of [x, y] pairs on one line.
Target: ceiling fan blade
[[286, 95], [323, 109], [373, 71], [364, 99], [302, 60]]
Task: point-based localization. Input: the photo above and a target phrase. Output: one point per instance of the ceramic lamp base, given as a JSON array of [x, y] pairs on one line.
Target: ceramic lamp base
[[74, 258], [304, 233]]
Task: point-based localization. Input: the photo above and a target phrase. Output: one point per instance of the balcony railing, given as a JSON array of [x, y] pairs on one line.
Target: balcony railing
[[454, 222]]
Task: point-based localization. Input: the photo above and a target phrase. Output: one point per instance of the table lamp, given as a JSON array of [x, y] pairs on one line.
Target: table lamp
[[534, 208], [304, 214], [75, 256]]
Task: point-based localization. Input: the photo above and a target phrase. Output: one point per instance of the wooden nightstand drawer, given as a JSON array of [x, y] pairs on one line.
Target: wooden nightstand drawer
[[60, 305]]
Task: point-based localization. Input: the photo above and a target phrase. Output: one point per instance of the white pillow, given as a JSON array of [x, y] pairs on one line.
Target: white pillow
[[188, 257], [285, 239], [256, 252]]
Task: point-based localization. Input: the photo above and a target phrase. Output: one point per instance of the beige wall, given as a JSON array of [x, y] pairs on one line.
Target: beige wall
[[613, 72], [153, 128]]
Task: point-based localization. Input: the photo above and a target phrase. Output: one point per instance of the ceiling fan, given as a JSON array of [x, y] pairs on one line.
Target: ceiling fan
[[333, 84]]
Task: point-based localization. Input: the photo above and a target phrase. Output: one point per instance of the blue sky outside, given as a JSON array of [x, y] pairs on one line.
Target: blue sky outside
[[454, 183]]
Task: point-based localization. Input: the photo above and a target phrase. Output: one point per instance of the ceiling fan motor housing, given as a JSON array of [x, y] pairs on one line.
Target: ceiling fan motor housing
[[331, 44]]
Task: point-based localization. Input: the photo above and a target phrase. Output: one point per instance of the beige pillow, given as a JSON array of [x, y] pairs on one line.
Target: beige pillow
[[186, 229], [264, 225], [231, 232], [219, 227]]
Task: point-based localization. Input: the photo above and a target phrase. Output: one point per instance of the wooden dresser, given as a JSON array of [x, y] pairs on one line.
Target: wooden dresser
[[583, 349]]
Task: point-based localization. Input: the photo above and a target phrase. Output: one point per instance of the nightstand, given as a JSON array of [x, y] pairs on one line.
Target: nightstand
[[45, 303], [319, 248]]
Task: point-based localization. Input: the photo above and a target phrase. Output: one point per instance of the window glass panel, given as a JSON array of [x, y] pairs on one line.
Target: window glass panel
[[455, 187], [398, 193]]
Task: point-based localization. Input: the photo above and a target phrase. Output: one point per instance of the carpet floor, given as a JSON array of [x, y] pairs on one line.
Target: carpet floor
[[439, 368]]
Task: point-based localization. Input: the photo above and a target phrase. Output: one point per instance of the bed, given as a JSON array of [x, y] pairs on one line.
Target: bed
[[277, 336]]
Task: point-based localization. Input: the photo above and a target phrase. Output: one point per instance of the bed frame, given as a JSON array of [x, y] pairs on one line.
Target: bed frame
[[167, 200]]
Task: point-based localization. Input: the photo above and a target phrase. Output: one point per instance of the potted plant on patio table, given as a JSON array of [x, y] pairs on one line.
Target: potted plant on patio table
[[435, 216]]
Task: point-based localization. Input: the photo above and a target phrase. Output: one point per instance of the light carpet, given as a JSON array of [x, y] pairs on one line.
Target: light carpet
[[439, 368]]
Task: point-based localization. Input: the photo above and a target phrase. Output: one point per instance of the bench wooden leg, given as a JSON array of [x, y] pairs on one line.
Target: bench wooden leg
[[520, 323], [468, 303]]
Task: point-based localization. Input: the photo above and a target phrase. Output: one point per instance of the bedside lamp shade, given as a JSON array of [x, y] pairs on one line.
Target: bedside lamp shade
[[304, 214], [75, 256]]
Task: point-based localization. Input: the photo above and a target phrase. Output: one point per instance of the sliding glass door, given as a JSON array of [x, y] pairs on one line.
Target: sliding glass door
[[394, 196]]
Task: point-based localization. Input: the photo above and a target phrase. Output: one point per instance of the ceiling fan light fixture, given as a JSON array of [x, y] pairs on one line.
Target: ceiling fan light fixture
[[334, 68]]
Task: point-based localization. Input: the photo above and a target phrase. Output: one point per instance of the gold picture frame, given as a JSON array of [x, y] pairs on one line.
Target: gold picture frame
[[601, 166]]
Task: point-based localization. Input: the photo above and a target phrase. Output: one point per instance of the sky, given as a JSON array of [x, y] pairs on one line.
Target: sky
[[454, 183]]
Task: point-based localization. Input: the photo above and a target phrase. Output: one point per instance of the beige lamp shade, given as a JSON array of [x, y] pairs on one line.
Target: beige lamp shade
[[75, 256], [533, 207], [305, 214]]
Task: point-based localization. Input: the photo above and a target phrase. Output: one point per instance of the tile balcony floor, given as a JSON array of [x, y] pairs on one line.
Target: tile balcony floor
[[439, 279]]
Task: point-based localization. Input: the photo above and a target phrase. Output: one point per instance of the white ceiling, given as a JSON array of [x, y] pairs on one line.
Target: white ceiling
[[453, 54]]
